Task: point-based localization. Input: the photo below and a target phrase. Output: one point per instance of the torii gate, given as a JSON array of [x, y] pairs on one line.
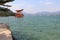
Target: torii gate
[[19, 13]]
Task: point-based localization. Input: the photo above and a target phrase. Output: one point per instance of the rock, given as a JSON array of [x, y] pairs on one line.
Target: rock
[[5, 32]]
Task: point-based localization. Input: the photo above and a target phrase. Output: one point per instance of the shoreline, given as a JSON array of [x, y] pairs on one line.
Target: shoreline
[[5, 32]]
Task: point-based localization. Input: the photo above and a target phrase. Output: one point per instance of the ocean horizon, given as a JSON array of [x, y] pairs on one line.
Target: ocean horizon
[[34, 27]]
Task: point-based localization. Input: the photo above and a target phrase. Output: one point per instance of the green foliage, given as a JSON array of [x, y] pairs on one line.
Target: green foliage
[[6, 12], [5, 1]]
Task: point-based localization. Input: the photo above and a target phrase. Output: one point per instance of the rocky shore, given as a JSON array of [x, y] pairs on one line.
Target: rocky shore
[[5, 32]]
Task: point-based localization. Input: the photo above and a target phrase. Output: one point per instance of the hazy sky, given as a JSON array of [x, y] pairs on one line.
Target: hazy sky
[[33, 6]]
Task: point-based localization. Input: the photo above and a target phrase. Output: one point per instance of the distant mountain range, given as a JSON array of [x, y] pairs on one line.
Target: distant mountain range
[[45, 13], [48, 13]]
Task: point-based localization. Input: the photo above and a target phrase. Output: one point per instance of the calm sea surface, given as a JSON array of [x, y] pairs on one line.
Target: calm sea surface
[[34, 27]]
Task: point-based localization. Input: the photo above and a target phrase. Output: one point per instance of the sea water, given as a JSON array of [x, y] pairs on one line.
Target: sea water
[[34, 27]]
